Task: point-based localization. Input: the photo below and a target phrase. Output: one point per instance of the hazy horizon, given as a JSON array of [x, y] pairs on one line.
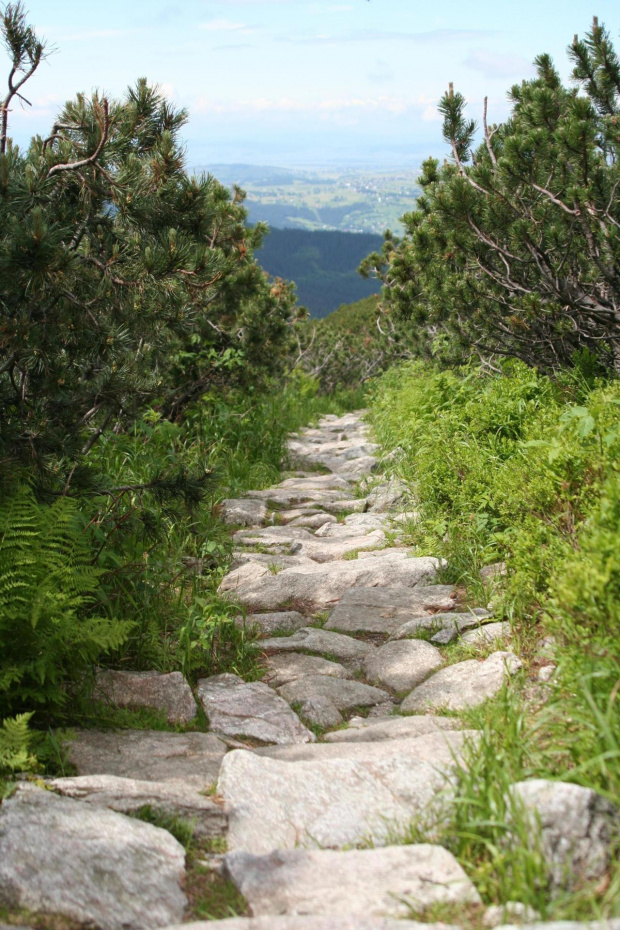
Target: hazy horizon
[[300, 83]]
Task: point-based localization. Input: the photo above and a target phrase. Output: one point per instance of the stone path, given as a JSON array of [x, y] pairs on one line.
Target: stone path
[[311, 776]]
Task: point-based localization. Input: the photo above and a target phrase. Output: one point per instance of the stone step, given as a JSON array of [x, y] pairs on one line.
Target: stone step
[[388, 882], [341, 693], [386, 609], [286, 667], [369, 793], [345, 649], [189, 759], [241, 709], [128, 795], [463, 685], [321, 585], [369, 729], [243, 511], [169, 693], [283, 621], [94, 866], [444, 626], [403, 664]]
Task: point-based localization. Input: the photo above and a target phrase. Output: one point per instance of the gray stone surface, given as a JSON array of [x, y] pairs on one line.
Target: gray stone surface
[[496, 570], [369, 729], [390, 552], [237, 708], [304, 922], [243, 576], [369, 882], [403, 664], [290, 497], [453, 626], [329, 550], [345, 649], [348, 505], [244, 512], [577, 829], [282, 668], [365, 465], [386, 495], [407, 516], [270, 560], [89, 864], [435, 746], [314, 521], [487, 633], [388, 882], [148, 755], [169, 693], [276, 804], [343, 694], [282, 621], [317, 482], [546, 673], [463, 685], [321, 712], [352, 524], [303, 510], [446, 626], [272, 536], [385, 609], [127, 795], [322, 585]]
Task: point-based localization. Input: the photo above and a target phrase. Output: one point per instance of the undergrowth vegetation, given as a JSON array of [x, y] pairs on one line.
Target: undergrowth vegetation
[[145, 375], [523, 469], [130, 578]]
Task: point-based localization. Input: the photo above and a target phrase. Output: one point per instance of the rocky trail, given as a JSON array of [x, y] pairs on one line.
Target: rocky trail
[[310, 777]]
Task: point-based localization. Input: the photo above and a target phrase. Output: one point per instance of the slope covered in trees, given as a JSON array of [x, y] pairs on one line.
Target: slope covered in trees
[[323, 265]]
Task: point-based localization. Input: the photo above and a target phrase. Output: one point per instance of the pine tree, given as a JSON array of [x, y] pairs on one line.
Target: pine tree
[[514, 248], [124, 281]]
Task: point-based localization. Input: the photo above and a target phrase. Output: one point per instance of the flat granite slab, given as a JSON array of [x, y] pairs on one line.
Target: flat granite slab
[[280, 803], [388, 882], [385, 609], [148, 755]]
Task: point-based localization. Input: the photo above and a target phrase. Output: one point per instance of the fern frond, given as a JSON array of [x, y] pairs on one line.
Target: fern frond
[[48, 595], [15, 738]]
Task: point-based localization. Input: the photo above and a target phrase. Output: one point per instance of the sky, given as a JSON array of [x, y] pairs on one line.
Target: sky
[[351, 84]]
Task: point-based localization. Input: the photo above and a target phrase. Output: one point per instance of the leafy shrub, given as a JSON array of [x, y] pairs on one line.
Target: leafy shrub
[[351, 345], [505, 466], [524, 469]]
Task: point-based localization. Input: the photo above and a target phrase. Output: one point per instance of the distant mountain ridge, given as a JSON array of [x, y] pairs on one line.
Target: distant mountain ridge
[[323, 265]]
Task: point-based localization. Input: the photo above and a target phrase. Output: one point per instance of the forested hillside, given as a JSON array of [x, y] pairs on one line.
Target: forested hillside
[[323, 265]]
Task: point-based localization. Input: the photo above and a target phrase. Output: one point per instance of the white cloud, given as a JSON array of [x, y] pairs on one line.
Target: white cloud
[[494, 65], [328, 109], [225, 25]]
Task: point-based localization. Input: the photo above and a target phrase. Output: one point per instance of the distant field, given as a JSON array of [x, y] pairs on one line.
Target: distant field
[[323, 265], [351, 201]]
